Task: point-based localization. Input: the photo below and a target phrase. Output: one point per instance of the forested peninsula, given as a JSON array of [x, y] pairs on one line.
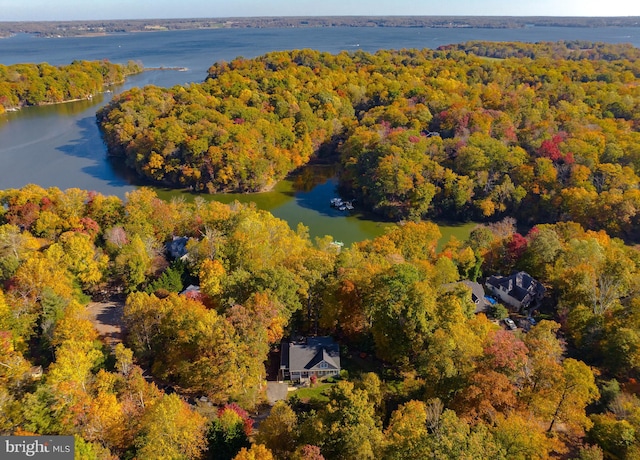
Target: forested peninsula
[[542, 132], [39, 84]]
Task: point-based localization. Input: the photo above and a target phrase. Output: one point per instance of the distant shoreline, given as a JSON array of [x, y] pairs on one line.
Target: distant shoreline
[[55, 29], [178, 69]]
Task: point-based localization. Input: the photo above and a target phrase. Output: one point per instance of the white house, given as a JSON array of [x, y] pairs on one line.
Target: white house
[[318, 356]]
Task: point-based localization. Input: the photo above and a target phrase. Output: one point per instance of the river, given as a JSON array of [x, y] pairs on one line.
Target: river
[[61, 145]]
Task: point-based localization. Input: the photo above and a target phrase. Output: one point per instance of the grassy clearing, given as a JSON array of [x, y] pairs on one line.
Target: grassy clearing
[[318, 392]]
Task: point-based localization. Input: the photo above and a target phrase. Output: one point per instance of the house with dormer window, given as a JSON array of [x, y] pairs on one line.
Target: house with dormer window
[[519, 290], [299, 360]]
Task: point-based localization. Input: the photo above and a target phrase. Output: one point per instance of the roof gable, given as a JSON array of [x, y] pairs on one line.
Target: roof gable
[[311, 354], [322, 357]]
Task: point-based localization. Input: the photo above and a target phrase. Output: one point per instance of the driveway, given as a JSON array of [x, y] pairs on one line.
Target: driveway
[[107, 319], [276, 391]]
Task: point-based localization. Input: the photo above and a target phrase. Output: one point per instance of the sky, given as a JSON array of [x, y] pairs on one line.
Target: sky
[[66, 10]]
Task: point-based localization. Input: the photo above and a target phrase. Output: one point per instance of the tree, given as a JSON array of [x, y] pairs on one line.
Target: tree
[[452, 349], [614, 436], [575, 391], [106, 422], [256, 452], [170, 429], [505, 353], [406, 435], [134, 263], [371, 383], [594, 271], [170, 280], [14, 247], [544, 369], [400, 305], [149, 216], [38, 273], [350, 429], [228, 433], [188, 344], [13, 366], [487, 395], [72, 324], [416, 240], [74, 362], [10, 411], [41, 411], [542, 251], [79, 254], [278, 432], [590, 453], [448, 436], [307, 452], [124, 359], [520, 438], [210, 274]]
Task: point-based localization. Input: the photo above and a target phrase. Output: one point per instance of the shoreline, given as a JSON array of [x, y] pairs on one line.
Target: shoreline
[[177, 69], [43, 104], [67, 101], [94, 28]]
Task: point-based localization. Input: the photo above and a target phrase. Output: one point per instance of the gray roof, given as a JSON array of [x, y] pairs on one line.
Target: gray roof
[[192, 288], [307, 355], [477, 294], [521, 286]]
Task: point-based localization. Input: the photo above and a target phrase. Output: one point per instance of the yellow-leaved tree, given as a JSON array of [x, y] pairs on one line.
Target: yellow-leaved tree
[[170, 429]]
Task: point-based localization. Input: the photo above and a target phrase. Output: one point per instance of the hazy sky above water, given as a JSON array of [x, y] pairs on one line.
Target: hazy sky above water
[[62, 10]]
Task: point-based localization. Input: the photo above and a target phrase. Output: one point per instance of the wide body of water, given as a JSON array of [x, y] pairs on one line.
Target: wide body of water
[[61, 145]]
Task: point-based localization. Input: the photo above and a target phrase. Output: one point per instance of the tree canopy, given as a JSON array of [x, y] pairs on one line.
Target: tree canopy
[[39, 84], [543, 132]]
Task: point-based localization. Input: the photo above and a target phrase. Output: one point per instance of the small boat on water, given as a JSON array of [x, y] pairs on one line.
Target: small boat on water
[[341, 205]]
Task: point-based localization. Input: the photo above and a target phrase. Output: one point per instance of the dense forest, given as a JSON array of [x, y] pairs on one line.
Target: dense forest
[[438, 381], [39, 84], [544, 132]]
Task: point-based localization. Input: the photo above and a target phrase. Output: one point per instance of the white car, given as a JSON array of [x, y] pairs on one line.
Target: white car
[[510, 324]]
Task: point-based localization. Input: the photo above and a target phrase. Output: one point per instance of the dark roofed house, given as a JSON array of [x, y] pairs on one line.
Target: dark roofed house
[[177, 247], [318, 356], [519, 290]]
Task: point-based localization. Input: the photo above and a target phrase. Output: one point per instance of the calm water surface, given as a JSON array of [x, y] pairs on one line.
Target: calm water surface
[[61, 146]]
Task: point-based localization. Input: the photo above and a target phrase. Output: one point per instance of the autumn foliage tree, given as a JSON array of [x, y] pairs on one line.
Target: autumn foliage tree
[[419, 133]]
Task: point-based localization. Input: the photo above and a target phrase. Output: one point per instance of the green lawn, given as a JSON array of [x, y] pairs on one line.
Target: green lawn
[[317, 392]]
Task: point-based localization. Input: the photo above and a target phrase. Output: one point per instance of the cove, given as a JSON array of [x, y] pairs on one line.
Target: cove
[[304, 197], [60, 146]]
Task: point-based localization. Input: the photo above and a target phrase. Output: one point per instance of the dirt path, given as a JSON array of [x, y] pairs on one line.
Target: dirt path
[[107, 319]]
